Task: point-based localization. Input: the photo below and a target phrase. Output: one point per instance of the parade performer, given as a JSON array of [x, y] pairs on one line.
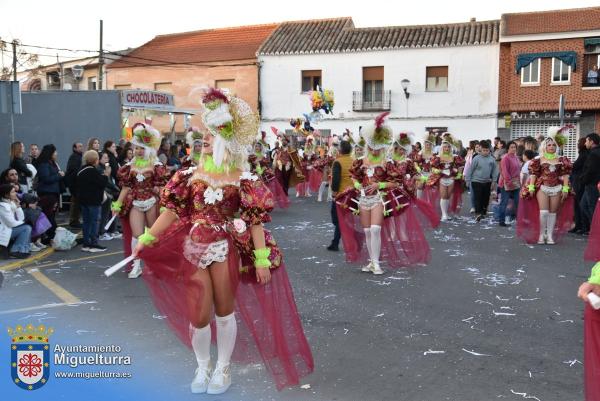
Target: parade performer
[[307, 159], [194, 141], [388, 223], [446, 176], [591, 345], [260, 164], [546, 211], [141, 181], [286, 162], [325, 164], [209, 249], [422, 161]]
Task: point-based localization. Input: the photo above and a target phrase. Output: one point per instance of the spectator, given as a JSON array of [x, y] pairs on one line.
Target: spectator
[[590, 177], [418, 147], [471, 153], [483, 175], [163, 152], [111, 192], [510, 183], [73, 166], [173, 163], [528, 156], [10, 176], [180, 149], [35, 217], [579, 227], [34, 152], [12, 223], [17, 162], [531, 144], [94, 144], [49, 188], [111, 150], [126, 154], [90, 184], [592, 76], [340, 180], [499, 150]]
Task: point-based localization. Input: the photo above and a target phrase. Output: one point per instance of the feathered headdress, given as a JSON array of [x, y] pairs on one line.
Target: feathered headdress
[[147, 137], [378, 135], [429, 137], [405, 140], [193, 136], [449, 139], [558, 134], [232, 122]]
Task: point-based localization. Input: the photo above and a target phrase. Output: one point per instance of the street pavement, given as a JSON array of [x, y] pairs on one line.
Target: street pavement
[[489, 318]]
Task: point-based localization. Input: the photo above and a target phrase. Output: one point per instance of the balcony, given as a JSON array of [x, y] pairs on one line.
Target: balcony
[[372, 101]]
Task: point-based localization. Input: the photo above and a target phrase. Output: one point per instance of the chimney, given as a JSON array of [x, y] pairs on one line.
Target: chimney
[[473, 19]]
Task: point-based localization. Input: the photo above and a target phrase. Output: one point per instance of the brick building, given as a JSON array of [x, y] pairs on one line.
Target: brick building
[[543, 55], [184, 63]]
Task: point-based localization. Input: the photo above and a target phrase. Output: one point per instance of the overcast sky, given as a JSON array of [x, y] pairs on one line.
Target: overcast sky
[[74, 24]]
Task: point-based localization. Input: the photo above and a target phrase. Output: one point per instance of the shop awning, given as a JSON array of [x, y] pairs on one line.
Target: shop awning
[[591, 41], [569, 57]]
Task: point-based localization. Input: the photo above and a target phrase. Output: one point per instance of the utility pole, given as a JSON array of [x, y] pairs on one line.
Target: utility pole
[[100, 62], [14, 46]]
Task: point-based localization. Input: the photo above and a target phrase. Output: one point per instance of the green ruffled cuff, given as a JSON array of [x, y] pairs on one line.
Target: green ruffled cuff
[[595, 276], [382, 185], [260, 170], [566, 189], [423, 178], [436, 170], [262, 258], [357, 185], [146, 238], [531, 188], [116, 206], [459, 176], [162, 209], [417, 168]]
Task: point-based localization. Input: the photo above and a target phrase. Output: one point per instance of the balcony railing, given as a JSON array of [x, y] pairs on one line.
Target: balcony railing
[[372, 101]]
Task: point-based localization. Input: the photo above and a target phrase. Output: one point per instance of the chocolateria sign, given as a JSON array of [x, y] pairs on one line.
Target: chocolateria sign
[[147, 99]]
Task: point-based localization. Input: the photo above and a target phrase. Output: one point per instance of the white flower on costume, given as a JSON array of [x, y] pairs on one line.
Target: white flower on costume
[[140, 177], [211, 196], [239, 225], [246, 175]]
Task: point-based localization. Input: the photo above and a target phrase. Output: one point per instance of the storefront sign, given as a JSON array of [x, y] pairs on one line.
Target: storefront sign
[[147, 99], [545, 115]]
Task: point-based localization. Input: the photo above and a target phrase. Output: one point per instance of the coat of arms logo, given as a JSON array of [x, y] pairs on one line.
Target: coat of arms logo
[[30, 355]]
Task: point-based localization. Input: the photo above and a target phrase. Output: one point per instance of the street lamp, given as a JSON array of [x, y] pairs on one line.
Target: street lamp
[[77, 72], [405, 83]]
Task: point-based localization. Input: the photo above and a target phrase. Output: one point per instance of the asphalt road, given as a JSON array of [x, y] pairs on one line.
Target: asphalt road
[[489, 318]]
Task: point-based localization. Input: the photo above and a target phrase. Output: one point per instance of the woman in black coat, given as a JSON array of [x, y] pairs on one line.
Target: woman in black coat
[[50, 184], [17, 149]]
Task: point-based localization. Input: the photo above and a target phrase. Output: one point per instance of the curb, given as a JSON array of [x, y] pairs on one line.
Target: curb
[[22, 263]]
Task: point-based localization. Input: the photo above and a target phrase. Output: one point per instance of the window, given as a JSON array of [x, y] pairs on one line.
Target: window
[[163, 87], [122, 86], [530, 74], [519, 129], [228, 84], [591, 74], [92, 83], [437, 79], [310, 80], [372, 84], [561, 71]]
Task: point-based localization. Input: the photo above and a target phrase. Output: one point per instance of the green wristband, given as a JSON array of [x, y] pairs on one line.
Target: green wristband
[[423, 178], [595, 276], [458, 176], [262, 263], [146, 238], [116, 206], [531, 188], [566, 189], [262, 253], [357, 185], [162, 209], [417, 168], [436, 170], [382, 185]]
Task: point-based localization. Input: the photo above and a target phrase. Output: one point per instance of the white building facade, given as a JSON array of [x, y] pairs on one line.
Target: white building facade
[[453, 78]]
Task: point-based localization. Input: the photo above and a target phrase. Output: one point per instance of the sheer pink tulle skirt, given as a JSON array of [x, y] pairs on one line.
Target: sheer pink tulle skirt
[[281, 199], [592, 353], [592, 250], [302, 189], [315, 177], [528, 219], [270, 329]]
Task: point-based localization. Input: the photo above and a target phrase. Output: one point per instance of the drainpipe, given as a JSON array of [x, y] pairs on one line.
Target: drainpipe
[[259, 105]]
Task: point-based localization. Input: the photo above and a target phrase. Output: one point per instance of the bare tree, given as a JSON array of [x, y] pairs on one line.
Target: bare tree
[[25, 60]]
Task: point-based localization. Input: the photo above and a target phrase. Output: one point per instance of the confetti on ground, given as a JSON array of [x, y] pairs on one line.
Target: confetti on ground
[[503, 313], [479, 301], [430, 351], [305, 386], [159, 317], [573, 362], [467, 320], [380, 315], [566, 321], [474, 353], [525, 395]]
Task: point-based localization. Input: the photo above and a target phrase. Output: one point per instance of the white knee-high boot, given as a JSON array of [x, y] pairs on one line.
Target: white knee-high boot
[[201, 346], [322, 188], [226, 335], [375, 249], [136, 271], [543, 225], [444, 203], [551, 222], [367, 231]]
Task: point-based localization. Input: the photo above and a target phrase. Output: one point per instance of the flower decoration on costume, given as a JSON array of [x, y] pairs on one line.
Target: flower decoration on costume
[[558, 134], [231, 121], [239, 225], [211, 196], [147, 137], [246, 175], [378, 135], [322, 100]]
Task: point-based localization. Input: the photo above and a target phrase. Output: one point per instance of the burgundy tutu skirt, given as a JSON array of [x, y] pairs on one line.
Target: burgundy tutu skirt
[[528, 219], [456, 201], [270, 329], [315, 177], [431, 195], [592, 251], [592, 353], [281, 199], [302, 189], [403, 242]]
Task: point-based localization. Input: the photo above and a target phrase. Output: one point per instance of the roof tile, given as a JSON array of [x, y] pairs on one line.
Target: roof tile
[[555, 21]]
